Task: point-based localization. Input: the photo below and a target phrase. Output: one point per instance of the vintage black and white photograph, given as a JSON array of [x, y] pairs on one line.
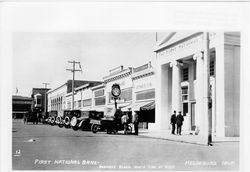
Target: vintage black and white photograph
[[110, 100], [126, 99]]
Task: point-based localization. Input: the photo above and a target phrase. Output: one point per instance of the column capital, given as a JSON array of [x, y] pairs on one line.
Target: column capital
[[198, 55], [175, 63]]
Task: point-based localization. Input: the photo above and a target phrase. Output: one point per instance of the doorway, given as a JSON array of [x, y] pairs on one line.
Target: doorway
[[185, 109]]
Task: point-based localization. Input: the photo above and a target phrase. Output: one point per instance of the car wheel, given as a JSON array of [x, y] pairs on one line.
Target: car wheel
[[66, 122], [129, 130], [52, 122], [94, 128], [73, 123]]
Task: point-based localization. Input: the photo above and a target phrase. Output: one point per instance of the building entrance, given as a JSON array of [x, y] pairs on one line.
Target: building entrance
[[185, 109]]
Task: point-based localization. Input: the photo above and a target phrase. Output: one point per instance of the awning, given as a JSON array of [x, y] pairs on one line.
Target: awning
[[137, 106], [119, 106], [149, 106]]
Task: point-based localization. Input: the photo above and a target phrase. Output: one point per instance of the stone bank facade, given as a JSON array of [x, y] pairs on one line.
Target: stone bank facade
[[180, 81]]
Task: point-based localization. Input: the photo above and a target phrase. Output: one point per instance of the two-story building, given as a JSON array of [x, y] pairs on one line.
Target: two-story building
[[60, 98], [143, 95], [122, 77]]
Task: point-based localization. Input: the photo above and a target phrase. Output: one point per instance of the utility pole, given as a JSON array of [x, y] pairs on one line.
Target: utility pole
[[45, 97], [207, 95], [73, 80]]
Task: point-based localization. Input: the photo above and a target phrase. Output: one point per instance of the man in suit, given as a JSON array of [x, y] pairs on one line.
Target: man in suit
[[125, 123], [136, 122], [173, 122], [179, 122]]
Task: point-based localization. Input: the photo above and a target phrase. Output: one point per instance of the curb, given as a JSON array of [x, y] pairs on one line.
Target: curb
[[173, 140]]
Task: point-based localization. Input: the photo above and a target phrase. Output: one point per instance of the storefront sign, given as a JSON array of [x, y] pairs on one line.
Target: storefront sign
[[143, 85]]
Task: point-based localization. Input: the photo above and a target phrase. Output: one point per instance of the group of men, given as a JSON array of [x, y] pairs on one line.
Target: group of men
[[177, 120], [125, 122]]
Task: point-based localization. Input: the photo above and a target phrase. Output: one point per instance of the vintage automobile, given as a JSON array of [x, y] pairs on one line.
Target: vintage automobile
[[51, 118], [68, 115], [61, 116], [30, 117], [111, 123], [44, 116], [83, 121]]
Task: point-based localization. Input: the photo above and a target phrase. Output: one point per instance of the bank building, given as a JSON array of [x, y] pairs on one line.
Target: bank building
[[180, 81]]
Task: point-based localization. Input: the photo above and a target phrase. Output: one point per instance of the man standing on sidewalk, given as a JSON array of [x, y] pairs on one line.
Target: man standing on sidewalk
[[173, 122], [179, 122], [125, 123], [136, 122]]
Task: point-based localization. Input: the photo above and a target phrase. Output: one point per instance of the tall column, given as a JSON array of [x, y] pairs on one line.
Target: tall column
[[220, 85], [199, 122], [176, 89]]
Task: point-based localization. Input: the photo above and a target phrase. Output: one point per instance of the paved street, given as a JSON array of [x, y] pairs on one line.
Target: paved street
[[45, 147]]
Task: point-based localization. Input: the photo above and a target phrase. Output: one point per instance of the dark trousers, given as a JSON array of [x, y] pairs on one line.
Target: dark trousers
[[179, 129], [136, 128], [125, 128], [173, 128]]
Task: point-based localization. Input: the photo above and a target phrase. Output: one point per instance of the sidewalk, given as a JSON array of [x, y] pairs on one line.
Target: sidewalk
[[186, 137]]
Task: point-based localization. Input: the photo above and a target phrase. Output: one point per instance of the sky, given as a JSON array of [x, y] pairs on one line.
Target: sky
[[40, 57]]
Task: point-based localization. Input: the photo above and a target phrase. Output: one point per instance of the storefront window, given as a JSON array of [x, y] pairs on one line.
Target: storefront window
[[79, 103], [99, 93], [100, 101], [184, 92], [185, 74], [143, 95], [212, 68], [86, 102]]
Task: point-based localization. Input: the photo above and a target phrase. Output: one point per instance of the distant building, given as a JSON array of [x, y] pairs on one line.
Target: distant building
[[60, 98], [38, 95], [20, 105]]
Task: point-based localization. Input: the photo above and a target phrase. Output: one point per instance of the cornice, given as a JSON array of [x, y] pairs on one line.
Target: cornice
[[143, 74], [122, 74]]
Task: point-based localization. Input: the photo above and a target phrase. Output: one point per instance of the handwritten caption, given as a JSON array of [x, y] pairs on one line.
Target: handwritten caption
[[97, 164]]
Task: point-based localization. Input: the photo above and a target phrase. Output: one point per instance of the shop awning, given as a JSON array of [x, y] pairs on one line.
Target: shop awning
[[119, 106], [137, 106], [149, 106]]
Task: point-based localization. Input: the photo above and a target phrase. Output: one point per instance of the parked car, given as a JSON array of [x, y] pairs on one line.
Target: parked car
[[68, 115], [52, 118], [44, 117], [82, 121], [60, 118], [111, 123], [30, 117]]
